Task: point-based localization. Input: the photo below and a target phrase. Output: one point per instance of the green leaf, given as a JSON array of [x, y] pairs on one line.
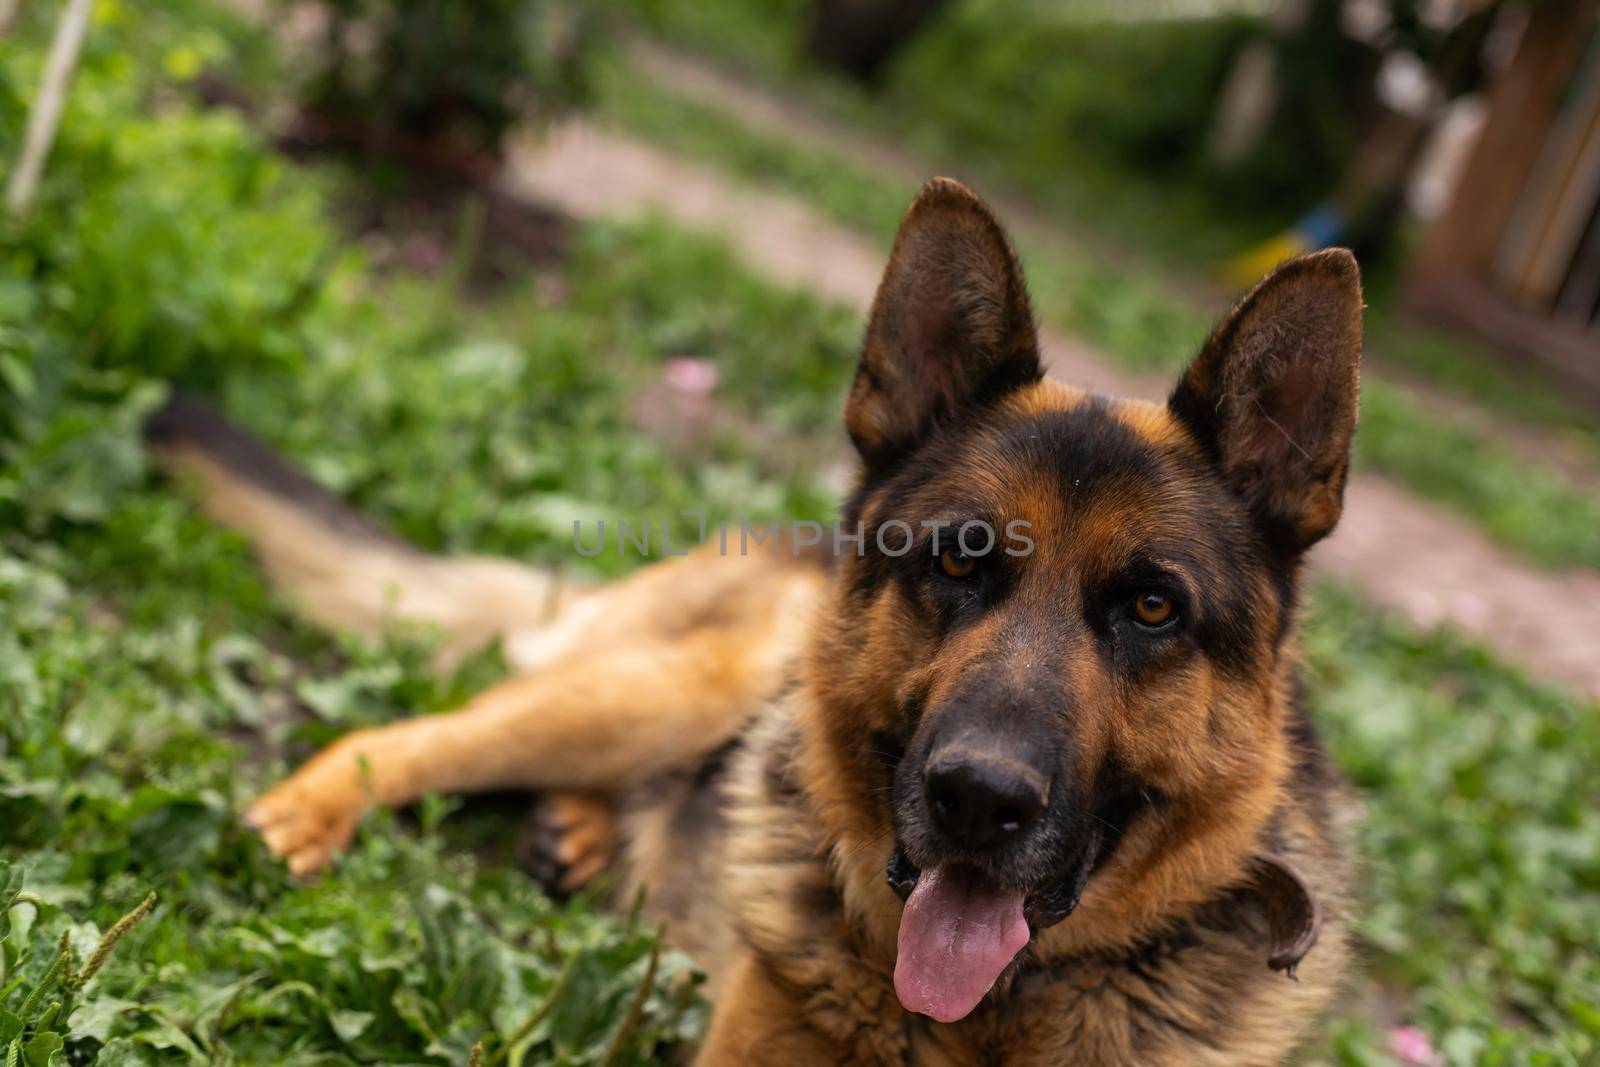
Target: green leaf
[[44, 1050], [350, 1025], [121, 1052], [99, 1016], [11, 880]]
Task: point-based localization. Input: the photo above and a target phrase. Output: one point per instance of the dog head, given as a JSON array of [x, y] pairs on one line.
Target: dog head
[[1059, 659]]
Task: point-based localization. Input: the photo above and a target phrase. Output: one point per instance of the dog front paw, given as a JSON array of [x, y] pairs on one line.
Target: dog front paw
[[310, 817]]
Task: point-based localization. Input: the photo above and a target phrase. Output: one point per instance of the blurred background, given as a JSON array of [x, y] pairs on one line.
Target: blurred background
[[488, 268]]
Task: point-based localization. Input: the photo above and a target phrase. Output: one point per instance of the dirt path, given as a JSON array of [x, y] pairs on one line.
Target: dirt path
[[1400, 552], [760, 109]]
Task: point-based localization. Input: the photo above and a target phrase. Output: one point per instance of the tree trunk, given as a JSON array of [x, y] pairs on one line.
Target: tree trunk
[[860, 36]]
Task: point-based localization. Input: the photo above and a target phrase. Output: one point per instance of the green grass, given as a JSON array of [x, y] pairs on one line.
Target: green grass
[[1143, 328], [1510, 388], [554, 392], [1482, 839]]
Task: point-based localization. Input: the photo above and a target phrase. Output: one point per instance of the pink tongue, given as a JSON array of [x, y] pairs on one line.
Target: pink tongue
[[956, 935]]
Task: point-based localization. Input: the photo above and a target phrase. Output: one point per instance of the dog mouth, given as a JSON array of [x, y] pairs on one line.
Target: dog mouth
[[961, 930], [958, 934]]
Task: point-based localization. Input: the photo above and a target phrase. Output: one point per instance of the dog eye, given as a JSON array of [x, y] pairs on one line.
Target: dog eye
[[954, 563], [1154, 610]]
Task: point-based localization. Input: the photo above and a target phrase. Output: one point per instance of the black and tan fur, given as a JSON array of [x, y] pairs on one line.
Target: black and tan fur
[[763, 726]]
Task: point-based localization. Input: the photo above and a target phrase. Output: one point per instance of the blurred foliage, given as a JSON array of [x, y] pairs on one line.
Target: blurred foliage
[[1042, 94], [1146, 328], [1103, 118], [1105, 109], [494, 429], [164, 244], [432, 70]]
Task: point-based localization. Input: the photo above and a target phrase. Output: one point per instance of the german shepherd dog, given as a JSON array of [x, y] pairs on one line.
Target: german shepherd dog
[[937, 806]]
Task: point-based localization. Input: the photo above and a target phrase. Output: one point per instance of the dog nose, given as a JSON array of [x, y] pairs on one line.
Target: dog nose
[[977, 801]]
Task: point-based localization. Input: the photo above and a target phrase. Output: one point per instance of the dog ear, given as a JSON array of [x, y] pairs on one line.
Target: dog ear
[[950, 327], [1272, 396]]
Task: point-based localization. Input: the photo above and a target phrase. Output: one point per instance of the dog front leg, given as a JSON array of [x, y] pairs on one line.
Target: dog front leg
[[596, 723]]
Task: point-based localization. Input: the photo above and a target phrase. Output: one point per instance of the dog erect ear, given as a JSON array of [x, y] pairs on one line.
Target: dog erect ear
[[1272, 396], [950, 326]]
